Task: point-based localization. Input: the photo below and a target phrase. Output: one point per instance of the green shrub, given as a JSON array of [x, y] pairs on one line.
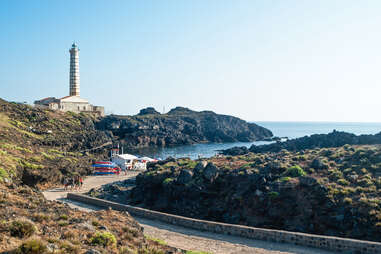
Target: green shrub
[[47, 156], [95, 223], [364, 182], [343, 182], [33, 246], [347, 170], [62, 223], [273, 194], [295, 171], [63, 217], [348, 201], [335, 174], [40, 217], [126, 250], [159, 241], [246, 166], [168, 181], [69, 248], [285, 179], [22, 228], [3, 174], [31, 165], [103, 238]]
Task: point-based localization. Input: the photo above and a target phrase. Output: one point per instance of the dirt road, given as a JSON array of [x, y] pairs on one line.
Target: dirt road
[[184, 238]]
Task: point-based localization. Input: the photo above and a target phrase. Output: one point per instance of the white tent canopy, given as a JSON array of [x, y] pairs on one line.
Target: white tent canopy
[[127, 156], [145, 158]]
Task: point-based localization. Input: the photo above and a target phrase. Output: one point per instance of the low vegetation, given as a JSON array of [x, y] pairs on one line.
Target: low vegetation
[[37, 149], [334, 191], [103, 238]]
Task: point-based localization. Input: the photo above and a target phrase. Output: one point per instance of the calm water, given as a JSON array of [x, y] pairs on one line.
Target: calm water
[[280, 129]]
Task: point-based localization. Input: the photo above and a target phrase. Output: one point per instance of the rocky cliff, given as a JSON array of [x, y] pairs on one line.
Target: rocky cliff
[[333, 191], [180, 126]]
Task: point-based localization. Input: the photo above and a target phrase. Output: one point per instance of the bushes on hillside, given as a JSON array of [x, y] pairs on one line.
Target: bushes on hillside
[[103, 238], [33, 246], [295, 171], [22, 228]]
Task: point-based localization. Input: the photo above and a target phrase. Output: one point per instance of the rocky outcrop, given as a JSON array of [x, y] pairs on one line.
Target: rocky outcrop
[[333, 139], [148, 111], [180, 126], [321, 191]]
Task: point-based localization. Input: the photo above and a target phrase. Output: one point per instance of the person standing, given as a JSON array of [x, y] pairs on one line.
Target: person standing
[[80, 182], [65, 183]]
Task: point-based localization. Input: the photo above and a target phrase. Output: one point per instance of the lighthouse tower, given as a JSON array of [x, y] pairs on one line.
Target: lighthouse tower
[[74, 70]]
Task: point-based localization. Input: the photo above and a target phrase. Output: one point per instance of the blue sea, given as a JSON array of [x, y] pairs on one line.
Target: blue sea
[[279, 129]]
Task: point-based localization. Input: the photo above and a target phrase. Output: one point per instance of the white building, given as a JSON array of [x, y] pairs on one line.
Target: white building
[[124, 161]]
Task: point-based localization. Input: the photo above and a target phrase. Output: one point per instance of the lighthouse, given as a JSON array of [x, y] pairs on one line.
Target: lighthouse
[[73, 102], [74, 70]]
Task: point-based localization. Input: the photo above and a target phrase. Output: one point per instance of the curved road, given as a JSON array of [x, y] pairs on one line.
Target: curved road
[[184, 238]]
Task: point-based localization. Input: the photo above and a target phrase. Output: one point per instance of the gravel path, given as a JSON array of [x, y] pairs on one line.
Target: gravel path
[[185, 238]]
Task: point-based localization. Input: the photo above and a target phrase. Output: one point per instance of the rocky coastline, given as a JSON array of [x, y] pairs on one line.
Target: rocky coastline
[[180, 126], [333, 139], [329, 191]]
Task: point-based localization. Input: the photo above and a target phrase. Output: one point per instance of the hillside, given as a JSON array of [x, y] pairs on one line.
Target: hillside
[[331, 191], [37, 149], [180, 126]]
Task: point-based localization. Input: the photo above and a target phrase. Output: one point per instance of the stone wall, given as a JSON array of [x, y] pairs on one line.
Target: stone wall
[[76, 107], [336, 244]]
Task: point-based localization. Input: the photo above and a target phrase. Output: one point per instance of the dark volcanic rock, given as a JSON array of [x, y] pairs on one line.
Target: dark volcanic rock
[[200, 167], [333, 139], [317, 163], [185, 176], [210, 172], [180, 126], [341, 198], [237, 150], [148, 111]]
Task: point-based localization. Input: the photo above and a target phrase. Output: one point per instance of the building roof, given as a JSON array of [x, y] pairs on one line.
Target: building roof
[[73, 99], [46, 101], [127, 156], [47, 98]]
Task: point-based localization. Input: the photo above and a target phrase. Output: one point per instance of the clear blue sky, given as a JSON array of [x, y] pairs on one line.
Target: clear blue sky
[[258, 60]]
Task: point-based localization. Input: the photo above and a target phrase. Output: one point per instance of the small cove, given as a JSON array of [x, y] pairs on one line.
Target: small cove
[[279, 129]]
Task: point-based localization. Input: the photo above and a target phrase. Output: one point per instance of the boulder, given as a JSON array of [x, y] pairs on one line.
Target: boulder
[[307, 180], [317, 163], [185, 176], [210, 172], [235, 151], [200, 167]]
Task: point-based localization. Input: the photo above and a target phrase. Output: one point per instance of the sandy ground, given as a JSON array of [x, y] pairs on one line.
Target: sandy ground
[[184, 238]]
